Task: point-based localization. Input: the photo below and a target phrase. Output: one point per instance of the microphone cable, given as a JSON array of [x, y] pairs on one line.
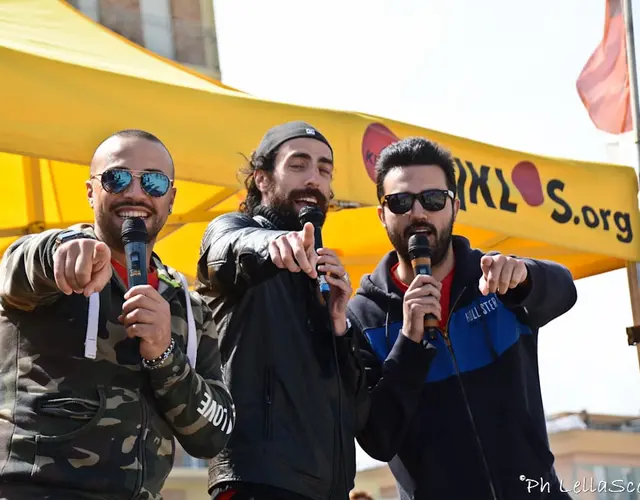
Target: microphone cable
[[485, 462]]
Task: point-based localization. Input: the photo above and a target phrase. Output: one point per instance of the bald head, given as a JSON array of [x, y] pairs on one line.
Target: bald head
[[103, 155], [140, 181]]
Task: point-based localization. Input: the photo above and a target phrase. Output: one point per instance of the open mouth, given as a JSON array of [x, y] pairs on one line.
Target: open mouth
[[307, 201], [127, 213]]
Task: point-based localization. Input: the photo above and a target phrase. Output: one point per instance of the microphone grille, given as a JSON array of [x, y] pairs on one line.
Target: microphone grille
[[419, 246], [133, 229], [311, 214]]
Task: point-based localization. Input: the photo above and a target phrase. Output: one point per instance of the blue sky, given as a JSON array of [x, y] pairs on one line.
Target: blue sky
[[497, 71]]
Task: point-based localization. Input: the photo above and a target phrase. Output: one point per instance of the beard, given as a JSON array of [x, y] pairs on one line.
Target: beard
[[286, 208], [439, 249], [109, 225]]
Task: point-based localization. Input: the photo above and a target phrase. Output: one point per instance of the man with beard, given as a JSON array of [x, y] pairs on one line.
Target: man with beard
[[98, 377], [474, 425], [291, 362]]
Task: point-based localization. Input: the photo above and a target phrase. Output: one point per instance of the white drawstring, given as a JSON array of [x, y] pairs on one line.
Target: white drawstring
[[91, 339], [192, 341]]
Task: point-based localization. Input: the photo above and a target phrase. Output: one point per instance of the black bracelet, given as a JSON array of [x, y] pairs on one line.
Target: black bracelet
[[160, 360]]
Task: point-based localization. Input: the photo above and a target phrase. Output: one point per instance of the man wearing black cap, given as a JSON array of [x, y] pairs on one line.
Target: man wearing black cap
[[290, 360]]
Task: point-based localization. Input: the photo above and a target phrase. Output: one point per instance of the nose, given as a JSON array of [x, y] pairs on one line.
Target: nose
[[313, 180], [418, 210], [135, 190]]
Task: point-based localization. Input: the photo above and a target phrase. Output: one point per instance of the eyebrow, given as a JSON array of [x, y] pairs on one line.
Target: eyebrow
[[305, 156]]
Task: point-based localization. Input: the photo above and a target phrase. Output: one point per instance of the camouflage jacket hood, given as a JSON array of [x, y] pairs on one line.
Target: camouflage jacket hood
[[77, 411]]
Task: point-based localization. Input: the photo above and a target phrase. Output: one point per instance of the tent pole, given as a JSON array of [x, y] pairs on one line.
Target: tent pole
[[633, 268]]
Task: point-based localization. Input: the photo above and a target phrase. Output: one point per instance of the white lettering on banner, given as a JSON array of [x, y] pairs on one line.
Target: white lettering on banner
[[483, 309], [215, 413]]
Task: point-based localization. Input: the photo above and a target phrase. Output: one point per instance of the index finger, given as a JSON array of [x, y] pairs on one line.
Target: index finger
[[424, 279], [328, 251], [308, 236], [146, 290]]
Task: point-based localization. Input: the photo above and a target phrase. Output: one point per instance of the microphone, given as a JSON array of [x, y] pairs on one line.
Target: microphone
[[316, 217], [420, 255], [134, 238]]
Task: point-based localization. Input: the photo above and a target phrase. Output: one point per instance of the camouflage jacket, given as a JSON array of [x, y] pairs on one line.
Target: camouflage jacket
[[105, 424]]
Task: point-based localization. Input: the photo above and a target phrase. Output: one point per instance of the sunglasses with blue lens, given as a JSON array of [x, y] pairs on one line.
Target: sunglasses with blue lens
[[117, 180], [432, 200]]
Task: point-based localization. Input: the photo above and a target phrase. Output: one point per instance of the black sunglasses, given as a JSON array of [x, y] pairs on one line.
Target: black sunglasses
[[116, 180], [432, 200]]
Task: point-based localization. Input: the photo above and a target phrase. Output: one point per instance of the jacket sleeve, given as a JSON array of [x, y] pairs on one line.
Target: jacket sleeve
[[548, 293], [234, 254], [26, 271], [352, 374], [196, 404], [394, 390]]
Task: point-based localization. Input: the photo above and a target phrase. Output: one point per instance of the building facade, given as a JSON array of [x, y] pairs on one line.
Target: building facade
[[181, 30]]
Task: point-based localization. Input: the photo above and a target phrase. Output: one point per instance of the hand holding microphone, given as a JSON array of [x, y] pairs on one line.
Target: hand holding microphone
[[333, 281], [421, 309], [145, 313]]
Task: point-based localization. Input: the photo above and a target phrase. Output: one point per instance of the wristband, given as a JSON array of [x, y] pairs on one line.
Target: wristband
[[68, 235], [153, 364]]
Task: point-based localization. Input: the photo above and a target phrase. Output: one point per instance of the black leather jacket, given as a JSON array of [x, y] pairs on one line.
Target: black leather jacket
[[295, 430]]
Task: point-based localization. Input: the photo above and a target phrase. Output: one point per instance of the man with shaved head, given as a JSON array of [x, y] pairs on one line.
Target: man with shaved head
[[97, 377]]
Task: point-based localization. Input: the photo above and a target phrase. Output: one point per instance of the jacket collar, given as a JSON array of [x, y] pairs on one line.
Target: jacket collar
[[269, 217]]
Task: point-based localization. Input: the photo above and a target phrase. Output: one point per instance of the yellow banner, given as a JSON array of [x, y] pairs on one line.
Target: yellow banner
[[587, 206]]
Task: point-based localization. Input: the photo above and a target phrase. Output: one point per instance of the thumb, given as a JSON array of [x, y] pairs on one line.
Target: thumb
[[485, 264], [308, 236]]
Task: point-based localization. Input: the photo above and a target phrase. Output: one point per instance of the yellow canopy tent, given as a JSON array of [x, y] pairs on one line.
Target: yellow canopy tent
[[66, 83]]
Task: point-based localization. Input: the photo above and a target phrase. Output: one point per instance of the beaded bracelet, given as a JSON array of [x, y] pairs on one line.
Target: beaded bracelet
[[159, 361]]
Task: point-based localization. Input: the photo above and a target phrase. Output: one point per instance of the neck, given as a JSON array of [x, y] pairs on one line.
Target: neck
[[439, 272], [120, 257]]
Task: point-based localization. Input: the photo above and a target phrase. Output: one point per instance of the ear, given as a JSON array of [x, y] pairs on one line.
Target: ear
[[381, 215], [262, 180], [456, 207], [172, 198], [90, 192]]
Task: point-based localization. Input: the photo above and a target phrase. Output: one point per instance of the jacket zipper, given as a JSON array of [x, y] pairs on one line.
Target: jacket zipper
[[445, 333], [141, 446], [268, 401], [447, 340]]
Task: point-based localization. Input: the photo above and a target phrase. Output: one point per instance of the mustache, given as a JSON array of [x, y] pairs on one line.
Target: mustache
[[131, 204], [420, 226], [306, 193]]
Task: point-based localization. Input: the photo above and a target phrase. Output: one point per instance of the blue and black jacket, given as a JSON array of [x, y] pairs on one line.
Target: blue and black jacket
[[470, 422]]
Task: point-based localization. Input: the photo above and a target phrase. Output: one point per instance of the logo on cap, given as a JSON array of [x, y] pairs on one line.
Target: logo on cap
[[310, 131]]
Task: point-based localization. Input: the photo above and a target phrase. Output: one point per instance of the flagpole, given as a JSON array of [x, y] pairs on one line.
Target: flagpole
[[633, 268]]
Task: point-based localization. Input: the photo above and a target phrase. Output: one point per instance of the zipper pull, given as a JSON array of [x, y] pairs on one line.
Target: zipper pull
[[445, 336]]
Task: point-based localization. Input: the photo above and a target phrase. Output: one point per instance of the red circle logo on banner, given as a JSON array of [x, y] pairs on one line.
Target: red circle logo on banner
[[375, 139]]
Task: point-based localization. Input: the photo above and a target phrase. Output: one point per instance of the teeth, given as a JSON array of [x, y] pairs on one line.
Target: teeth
[[308, 200], [129, 214]]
